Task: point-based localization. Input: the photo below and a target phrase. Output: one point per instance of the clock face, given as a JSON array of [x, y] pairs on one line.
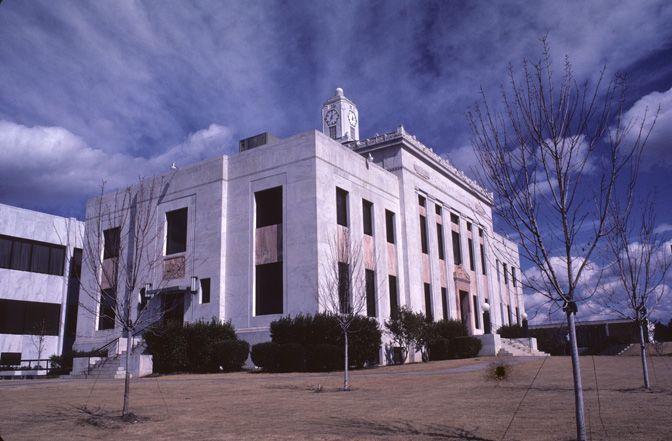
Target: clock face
[[331, 117], [352, 118]]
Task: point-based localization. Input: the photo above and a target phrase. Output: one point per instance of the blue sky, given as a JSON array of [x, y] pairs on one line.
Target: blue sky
[[116, 90]]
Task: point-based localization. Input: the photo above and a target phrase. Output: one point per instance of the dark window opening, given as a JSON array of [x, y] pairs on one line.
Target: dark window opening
[[268, 207], [72, 300], [455, 219], [332, 132], [483, 270], [421, 200], [343, 288], [444, 303], [506, 274], [514, 280], [470, 244], [468, 226], [477, 314], [389, 226], [429, 313], [205, 290], [111, 242], [108, 307], [29, 318], [269, 289], [367, 215], [370, 293], [437, 210], [176, 238], [439, 238], [423, 234], [497, 269], [341, 207], [480, 232], [508, 314], [518, 316], [394, 299], [33, 256], [457, 250]]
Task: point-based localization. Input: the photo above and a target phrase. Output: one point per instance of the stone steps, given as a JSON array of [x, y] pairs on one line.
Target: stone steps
[[513, 348]]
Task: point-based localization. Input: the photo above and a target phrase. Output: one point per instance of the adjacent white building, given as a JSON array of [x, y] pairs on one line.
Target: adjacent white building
[[255, 229], [40, 255]]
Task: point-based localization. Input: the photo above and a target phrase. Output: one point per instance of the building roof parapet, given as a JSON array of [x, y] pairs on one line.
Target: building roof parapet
[[401, 134]]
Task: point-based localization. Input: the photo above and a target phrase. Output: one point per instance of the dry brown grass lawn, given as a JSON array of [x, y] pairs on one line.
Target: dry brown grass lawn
[[440, 400]]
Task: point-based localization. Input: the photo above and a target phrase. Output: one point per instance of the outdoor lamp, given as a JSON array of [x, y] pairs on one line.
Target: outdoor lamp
[[194, 284], [485, 306], [524, 316], [148, 288]]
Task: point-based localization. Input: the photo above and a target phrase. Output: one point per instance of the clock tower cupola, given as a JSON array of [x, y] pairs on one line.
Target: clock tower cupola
[[340, 118]]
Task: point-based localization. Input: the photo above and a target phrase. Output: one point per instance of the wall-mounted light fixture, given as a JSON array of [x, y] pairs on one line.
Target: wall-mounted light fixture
[[194, 284]]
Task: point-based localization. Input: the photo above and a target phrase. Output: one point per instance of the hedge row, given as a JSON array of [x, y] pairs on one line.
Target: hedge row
[[458, 347], [315, 343], [196, 347]]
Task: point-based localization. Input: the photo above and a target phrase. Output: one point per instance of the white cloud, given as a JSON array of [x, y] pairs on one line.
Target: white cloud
[[658, 150], [51, 167]]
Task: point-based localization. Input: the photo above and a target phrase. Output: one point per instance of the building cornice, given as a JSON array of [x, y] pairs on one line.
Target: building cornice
[[443, 165]]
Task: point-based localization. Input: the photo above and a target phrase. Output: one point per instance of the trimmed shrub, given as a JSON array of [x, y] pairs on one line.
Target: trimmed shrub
[[449, 329], [230, 355], [292, 358], [189, 348], [266, 356], [439, 349], [511, 331], [324, 357], [320, 333], [464, 347]]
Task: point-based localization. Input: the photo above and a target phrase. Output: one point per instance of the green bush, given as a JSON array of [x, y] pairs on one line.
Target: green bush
[[266, 356], [189, 348], [324, 357], [292, 357], [511, 331], [230, 355], [439, 349], [317, 334], [449, 329], [464, 347]]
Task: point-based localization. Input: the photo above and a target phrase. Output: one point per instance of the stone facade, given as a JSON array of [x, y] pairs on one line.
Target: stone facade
[[230, 240], [37, 293]]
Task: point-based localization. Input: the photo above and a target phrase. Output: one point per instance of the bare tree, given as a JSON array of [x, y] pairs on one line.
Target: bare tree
[[555, 156], [38, 337], [342, 287], [121, 255], [639, 265]]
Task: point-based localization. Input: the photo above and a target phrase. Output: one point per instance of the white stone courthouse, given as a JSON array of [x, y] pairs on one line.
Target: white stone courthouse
[[252, 230]]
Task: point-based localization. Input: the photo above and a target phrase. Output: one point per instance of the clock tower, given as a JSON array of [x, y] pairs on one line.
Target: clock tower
[[340, 118]]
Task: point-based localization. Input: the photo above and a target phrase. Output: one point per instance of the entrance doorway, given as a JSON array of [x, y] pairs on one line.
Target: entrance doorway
[[172, 308], [464, 310]]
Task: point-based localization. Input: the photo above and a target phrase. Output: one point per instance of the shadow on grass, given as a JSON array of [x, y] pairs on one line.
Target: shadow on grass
[[362, 427]]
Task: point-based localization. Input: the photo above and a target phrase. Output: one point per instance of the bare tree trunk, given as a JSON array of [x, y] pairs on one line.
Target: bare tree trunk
[[578, 387], [346, 378], [127, 379], [642, 346]]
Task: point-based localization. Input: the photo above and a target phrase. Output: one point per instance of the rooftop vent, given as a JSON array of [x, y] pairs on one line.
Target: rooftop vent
[[256, 141]]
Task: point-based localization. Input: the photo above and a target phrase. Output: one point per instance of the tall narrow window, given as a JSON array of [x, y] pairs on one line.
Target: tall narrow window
[[513, 276], [370, 293], [505, 270], [389, 226], [497, 269], [429, 313], [444, 303], [423, 234], [111, 242], [508, 314], [269, 270], [344, 288], [108, 303], [332, 132], [367, 216], [477, 313], [518, 316], [471, 254], [341, 207], [457, 251], [205, 290], [439, 238], [176, 231], [483, 270], [394, 299], [437, 210], [421, 200]]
